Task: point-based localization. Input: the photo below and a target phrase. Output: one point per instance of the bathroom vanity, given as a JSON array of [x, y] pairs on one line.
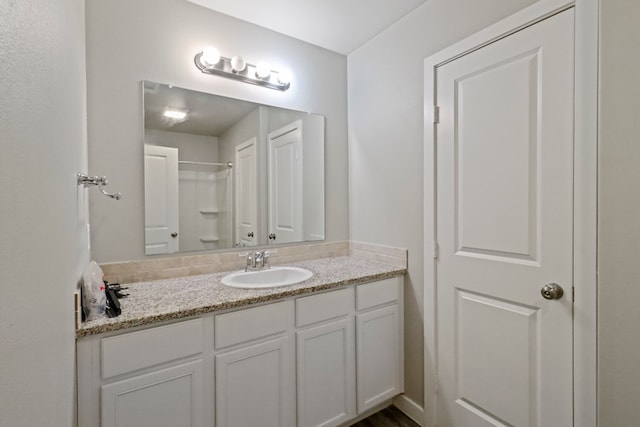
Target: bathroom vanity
[[193, 352]]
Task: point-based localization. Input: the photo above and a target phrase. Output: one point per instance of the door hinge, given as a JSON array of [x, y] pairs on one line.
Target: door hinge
[[573, 294], [436, 250], [435, 384], [436, 114]]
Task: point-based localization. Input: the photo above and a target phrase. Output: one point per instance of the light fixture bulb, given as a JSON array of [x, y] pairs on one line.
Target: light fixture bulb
[[238, 64], [175, 114], [263, 70], [210, 56], [284, 77]]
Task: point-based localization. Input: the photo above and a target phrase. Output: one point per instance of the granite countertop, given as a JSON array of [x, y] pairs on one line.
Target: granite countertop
[[161, 300]]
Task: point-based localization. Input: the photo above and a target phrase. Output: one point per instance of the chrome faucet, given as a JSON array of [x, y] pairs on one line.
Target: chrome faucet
[[265, 259], [257, 260], [250, 264]]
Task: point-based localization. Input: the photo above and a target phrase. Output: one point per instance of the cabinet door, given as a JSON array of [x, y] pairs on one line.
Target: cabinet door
[[255, 386], [168, 397], [379, 364], [326, 374]]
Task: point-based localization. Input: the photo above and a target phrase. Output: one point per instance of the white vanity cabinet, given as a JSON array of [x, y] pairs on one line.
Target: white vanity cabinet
[[314, 360], [167, 397], [379, 342], [255, 367], [145, 378], [325, 342]]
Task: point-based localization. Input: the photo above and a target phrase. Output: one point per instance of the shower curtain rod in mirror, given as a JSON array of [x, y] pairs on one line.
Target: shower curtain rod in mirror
[[185, 162]]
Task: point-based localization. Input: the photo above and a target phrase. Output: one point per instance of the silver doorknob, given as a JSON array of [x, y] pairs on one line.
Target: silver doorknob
[[552, 291], [174, 234]]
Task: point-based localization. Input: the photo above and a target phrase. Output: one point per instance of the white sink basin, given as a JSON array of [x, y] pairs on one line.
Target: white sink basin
[[269, 278]]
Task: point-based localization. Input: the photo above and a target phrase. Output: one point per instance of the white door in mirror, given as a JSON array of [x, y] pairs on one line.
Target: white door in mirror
[[270, 278], [161, 201]]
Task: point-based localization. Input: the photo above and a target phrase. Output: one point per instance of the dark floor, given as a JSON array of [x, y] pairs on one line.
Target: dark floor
[[388, 417]]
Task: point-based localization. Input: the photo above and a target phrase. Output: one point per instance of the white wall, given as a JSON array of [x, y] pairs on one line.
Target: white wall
[[313, 188], [192, 147], [385, 141], [619, 215], [42, 210], [156, 40]]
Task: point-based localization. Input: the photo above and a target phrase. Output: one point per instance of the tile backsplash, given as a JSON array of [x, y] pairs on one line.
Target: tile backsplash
[[190, 265]]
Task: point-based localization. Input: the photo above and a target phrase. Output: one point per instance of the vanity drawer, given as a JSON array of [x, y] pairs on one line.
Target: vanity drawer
[[316, 308], [142, 349], [252, 323], [378, 293]]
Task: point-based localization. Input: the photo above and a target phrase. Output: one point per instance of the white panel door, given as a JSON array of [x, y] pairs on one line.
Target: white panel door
[[379, 356], [168, 397], [255, 386], [504, 229], [285, 184], [246, 193], [326, 374], [160, 199]]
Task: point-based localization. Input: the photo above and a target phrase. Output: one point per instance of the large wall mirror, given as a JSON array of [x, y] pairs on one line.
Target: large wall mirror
[[221, 172]]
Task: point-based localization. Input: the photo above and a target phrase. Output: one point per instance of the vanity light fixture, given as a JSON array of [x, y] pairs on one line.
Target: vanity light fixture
[[238, 64], [283, 77], [210, 56], [209, 61], [263, 71]]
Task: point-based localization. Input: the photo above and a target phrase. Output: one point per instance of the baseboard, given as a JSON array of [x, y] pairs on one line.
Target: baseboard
[[410, 408]]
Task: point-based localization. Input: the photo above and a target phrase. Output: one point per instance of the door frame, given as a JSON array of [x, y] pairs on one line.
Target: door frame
[[585, 196]]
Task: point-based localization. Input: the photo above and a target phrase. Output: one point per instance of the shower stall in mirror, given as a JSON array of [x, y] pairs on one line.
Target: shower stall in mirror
[[188, 202]]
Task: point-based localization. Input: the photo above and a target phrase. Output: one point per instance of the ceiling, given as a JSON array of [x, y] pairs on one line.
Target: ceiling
[[338, 25], [208, 114]]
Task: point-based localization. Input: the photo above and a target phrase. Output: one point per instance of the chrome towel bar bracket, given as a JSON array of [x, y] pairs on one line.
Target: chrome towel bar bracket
[[100, 181]]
